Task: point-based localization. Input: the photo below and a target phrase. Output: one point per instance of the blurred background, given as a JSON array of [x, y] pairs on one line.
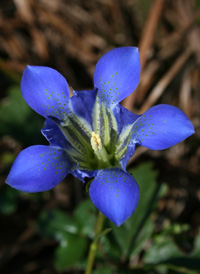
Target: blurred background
[[50, 232]]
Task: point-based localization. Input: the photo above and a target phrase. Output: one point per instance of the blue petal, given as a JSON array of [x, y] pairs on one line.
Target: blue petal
[[38, 168], [130, 151], [117, 74], [162, 126], [83, 103], [82, 174], [46, 91], [124, 117], [54, 135], [125, 120], [115, 193]]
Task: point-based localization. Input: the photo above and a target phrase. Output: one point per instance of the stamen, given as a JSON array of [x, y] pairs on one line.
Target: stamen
[[96, 141]]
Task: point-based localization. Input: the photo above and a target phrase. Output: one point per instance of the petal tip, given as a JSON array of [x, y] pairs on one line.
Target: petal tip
[[189, 128], [29, 68], [117, 71], [115, 193], [192, 129]]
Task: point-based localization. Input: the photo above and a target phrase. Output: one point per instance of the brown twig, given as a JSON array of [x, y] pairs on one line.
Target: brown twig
[[145, 44], [164, 82]]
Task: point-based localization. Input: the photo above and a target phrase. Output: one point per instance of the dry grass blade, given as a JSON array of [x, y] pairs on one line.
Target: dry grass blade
[[164, 82], [150, 28], [185, 92], [145, 45]]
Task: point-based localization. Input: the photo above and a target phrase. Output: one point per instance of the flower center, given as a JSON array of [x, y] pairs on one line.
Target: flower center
[[99, 145], [96, 141]]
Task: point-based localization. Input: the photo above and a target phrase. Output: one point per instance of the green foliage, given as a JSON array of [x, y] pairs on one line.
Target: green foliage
[[71, 232], [133, 234], [85, 215], [197, 3], [19, 120], [104, 270], [165, 251], [70, 251], [8, 200], [56, 224], [120, 247], [197, 6]]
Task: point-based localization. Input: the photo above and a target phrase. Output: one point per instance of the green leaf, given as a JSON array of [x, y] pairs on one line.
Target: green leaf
[[7, 158], [55, 224], [70, 251], [60, 226], [109, 248], [164, 251], [197, 3], [161, 251], [85, 216], [19, 120], [8, 200], [143, 235], [126, 235], [103, 270]]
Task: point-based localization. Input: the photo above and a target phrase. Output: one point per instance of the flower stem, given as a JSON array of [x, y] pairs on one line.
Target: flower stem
[[94, 244]]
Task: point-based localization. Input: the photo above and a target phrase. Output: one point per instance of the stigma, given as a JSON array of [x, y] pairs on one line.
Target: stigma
[[96, 141]]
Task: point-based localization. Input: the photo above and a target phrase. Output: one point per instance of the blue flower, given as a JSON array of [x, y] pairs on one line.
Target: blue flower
[[92, 135]]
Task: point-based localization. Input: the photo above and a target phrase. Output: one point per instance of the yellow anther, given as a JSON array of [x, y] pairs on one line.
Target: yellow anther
[[96, 141]]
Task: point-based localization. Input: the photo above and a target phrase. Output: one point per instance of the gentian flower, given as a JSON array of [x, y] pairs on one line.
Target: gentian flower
[[92, 135]]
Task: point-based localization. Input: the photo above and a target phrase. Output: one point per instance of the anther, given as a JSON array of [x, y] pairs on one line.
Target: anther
[[96, 141]]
